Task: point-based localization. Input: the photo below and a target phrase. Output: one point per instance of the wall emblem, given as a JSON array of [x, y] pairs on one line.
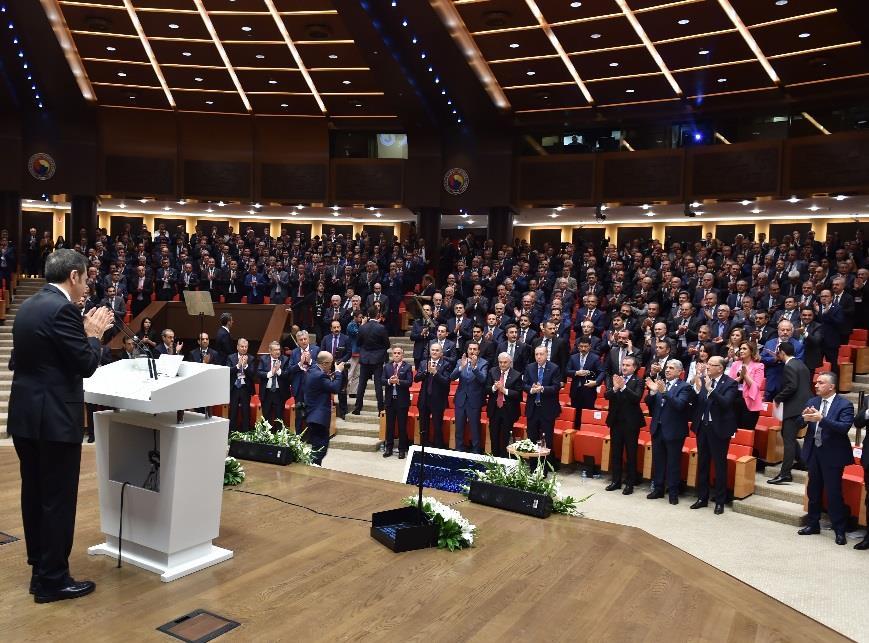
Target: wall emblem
[[41, 166], [456, 181]]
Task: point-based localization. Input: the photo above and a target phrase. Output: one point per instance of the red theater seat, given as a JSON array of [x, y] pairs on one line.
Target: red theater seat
[[768, 440]]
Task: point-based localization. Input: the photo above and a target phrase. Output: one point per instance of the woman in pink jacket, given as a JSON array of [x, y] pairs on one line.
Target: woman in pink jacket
[[748, 373]]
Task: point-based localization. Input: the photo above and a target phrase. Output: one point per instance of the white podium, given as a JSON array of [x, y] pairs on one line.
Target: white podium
[[167, 531]]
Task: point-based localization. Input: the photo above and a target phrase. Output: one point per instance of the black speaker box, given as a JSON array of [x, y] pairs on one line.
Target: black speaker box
[[523, 502]]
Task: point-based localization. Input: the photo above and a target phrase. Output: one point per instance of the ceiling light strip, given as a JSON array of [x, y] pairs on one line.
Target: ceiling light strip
[[576, 21], [556, 44], [492, 32], [815, 50], [522, 59], [641, 33], [131, 11], [805, 16], [719, 136], [91, 5], [733, 92], [456, 27], [563, 83], [669, 5], [714, 65], [817, 125], [295, 53], [209, 26], [828, 80], [749, 40], [64, 39], [695, 36]]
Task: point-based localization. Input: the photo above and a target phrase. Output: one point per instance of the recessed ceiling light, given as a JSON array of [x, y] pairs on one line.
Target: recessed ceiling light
[[110, 49], [143, 200], [251, 211], [840, 197], [357, 104], [122, 74], [703, 52], [695, 204], [595, 36], [198, 79], [614, 64], [209, 210], [260, 56], [293, 213], [793, 199], [132, 97], [336, 214], [284, 105], [335, 208], [650, 214], [122, 206], [745, 202], [172, 25], [722, 80], [514, 45], [805, 34], [182, 202], [273, 82], [345, 82], [756, 211], [575, 5], [814, 208], [209, 102], [167, 208], [470, 222], [221, 204], [684, 21], [629, 91], [554, 215], [645, 206], [246, 28], [333, 56], [781, 3], [378, 215], [530, 73]]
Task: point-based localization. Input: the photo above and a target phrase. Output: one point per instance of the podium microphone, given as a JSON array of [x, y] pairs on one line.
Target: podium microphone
[[129, 334]]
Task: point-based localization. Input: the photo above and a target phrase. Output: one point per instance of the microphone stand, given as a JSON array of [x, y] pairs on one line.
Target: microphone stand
[[129, 334]]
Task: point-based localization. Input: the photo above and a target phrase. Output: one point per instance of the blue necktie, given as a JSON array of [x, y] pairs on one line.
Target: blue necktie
[[539, 379]]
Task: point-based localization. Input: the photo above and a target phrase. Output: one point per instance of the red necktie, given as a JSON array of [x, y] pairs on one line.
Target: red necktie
[[500, 401]]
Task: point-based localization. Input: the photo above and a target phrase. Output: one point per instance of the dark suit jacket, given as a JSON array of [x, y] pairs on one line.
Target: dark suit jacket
[[521, 354], [420, 340], [402, 389], [580, 394], [612, 364], [297, 373], [722, 407], [512, 397], [598, 318], [318, 390], [550, 407], [54, 354], [489, 351], [440, 386], [471, 391], [796, 388], [223, 344], [813, 346], [249, 372], [373, 342], [264, 367], [835, 450], [624, 409], [342, 348], [196, 356], [450, 353], [559, 352], [672, 410], [832, 323], [462, 334]]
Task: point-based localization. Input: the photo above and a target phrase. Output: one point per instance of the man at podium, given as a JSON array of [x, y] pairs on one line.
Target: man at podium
[[59, 347]]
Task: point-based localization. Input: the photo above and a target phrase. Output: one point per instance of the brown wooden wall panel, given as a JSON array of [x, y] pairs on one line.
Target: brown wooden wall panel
[[171, 226], [642, 176], [365, 181], [259, 228], [541, 236], [217, 179], [727, 232], [682, 234], [374, 232], [779, 230], [345, 230], [207, 224], [138, 175], [733, 171], [626, 234], [303, 182], [118, 223], [848, 231], [11, 158], [555, 180], [593, 236], [290, 229], [839, 162]]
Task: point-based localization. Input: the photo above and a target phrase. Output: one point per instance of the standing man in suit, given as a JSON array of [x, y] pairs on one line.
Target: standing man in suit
[[714, 425], [242, 371], [302, 358], [827, 451], [624, 348], [542, 382], [274, 382], [448, 346], [460, 328], [421, 333], [520, 354], [434, 374], [57, 347], [373, 341], [795, 392], [831, 318], [504, 385], [397, 378], [557, 349], [141, 288], [338, 344], [223, 342], [586, 375], [625, 419], [319, 385], [861, 421], [471, 373], [810, 333], [669, 402], [772, 367]]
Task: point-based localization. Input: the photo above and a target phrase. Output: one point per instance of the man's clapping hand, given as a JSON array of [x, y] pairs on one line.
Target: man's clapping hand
[[97, 321]]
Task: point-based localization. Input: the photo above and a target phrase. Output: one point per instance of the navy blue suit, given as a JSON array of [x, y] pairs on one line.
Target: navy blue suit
[[597, 317], [272, 398], [670, 411], [397, 400], [827, 462], [541, 409], [297, 377], [240, 391], [432, 399], [773, 368], [832, 321], [582, 396], [470, 396], [713, 438], [342, 353], [318, 388]]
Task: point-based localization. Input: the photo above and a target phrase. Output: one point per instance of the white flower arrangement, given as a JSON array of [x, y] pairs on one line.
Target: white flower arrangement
[[525, 446], [283, 437], [454, 530]]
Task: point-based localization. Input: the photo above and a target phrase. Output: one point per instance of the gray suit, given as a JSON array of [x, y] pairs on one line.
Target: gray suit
[[795, 392]]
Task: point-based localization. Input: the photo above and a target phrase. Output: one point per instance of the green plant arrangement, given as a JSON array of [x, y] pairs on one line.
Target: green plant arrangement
[[233, 472], [521, 477], [454, 530], [264, 434]]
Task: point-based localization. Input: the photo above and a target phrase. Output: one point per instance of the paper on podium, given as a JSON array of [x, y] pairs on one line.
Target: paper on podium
[[127, 384], [778, 411]]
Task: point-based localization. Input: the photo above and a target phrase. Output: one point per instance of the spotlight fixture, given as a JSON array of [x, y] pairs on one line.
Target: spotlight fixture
[[745, 202], [840, 197], [793, 199], [814, 208], [599, 215], [689, 210]]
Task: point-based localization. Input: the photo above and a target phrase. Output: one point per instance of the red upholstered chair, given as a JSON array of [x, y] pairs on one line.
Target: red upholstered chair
[[589, 440], [859, 337], [854, 491], [562, 447], [767, 439], [520, 428]]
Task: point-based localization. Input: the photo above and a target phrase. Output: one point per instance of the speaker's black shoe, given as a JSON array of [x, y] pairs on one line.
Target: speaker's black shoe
[[402, 455], [628, 490], [863, 544], [809, 530], [654, 495], [719, 508], [74, 589], [355, 411], [699, 504], [800, 466], [780, 479], [34, 584], [613, 486], [841, 539], [387, 454], [674, 500]]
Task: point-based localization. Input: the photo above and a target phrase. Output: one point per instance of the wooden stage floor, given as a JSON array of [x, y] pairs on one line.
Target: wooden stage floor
[[303, 577]]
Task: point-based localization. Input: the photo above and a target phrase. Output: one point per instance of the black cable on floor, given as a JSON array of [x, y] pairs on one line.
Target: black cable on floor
[[293, 504], [121, 523]]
